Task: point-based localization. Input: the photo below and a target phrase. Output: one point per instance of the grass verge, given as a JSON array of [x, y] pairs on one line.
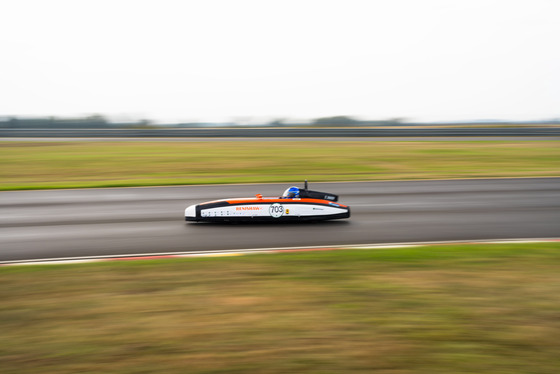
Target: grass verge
[[439, 309], [40, 165]]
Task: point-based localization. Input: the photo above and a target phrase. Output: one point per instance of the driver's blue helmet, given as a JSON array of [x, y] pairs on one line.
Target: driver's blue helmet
[[291, 192]]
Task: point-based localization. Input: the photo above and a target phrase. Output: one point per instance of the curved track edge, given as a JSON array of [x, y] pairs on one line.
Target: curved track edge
[[242, 252]]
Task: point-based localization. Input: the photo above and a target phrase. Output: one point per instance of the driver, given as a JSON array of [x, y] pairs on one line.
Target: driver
[[290, 193]]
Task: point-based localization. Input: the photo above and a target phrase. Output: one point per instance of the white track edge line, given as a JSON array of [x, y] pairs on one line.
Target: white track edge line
[[283, 183], [139, 256]]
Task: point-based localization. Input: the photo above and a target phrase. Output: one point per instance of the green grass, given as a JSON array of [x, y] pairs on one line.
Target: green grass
[[440, 309], [37, 165]]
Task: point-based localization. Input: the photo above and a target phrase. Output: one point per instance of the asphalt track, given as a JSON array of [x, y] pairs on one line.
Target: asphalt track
[[94, 222]]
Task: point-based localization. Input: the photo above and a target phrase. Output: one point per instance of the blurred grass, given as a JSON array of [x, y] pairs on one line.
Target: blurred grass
[[36, 165], [440, 309]]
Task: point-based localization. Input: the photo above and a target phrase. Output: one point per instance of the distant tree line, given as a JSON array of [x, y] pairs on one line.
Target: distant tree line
[[100, 122], [345, 121], [88, 122]]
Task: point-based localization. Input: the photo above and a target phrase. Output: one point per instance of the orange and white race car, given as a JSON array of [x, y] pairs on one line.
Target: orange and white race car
[[294, 205]]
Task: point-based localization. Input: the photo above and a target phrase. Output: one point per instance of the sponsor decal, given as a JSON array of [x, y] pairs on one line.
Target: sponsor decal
[[248, 208], [333, 204], [287, 211], [276, 210]]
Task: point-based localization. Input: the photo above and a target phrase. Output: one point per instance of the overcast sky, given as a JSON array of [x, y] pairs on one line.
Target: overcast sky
[[208, 60]]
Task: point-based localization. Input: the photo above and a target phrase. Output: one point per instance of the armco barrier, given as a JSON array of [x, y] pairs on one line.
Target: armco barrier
[[277, 132]]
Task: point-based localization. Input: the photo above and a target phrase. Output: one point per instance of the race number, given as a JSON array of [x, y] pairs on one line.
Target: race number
[[276, 210]]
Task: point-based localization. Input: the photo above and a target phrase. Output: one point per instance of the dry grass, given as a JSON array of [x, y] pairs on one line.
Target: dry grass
[[443, 309], [29, 165]]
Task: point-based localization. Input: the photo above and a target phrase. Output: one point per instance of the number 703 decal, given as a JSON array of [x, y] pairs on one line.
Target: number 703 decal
[[276, 210]]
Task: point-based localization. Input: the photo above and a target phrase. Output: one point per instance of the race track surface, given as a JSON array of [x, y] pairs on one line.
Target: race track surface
[[70, 223]]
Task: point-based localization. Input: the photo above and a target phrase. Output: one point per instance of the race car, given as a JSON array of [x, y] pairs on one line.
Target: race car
[[295, 204]]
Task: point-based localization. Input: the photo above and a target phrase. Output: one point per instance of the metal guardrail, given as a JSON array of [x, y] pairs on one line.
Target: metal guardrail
[[278, 132]]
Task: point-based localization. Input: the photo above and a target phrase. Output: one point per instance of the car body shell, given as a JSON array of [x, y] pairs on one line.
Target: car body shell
[[267, 209]]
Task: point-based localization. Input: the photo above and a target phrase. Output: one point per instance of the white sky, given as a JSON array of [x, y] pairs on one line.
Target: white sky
[[211, 60]]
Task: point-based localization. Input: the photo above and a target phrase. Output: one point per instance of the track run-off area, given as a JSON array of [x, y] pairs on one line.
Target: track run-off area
[[149, 221]]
